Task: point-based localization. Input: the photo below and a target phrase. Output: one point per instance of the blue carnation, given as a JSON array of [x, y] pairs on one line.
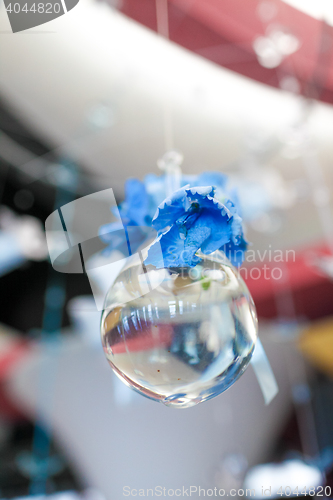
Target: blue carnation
[[192, 219], [235, 253]]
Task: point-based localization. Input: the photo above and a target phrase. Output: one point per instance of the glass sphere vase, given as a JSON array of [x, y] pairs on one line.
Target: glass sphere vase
[[179, 336]]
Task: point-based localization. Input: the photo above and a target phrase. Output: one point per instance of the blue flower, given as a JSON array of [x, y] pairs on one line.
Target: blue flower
[[192, 219], [235, 253]]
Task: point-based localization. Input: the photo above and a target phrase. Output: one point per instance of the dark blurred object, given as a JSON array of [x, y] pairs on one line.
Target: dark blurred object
[[22, 291], [323, 408], [13, 481]]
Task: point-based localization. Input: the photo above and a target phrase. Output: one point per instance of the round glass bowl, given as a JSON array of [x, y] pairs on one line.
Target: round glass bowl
[[180, 336]]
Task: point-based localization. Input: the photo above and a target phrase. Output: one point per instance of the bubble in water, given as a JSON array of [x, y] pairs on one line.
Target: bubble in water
[[184, 337]]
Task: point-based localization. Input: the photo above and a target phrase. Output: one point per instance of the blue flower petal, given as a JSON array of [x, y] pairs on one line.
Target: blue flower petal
[[204, 196], [220, 230], [136, 203], [198, 221], [180, 202], [237, 229], [199, 193], [233, 195], [186, 221], [235, 253], [197, 234], [170, 210], [236, 223], [171, 246], [176, 251]]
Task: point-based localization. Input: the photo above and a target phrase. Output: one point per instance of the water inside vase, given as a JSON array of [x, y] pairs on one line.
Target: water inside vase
[[185, 341]]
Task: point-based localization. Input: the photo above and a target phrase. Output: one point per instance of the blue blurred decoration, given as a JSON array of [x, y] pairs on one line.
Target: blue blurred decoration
[[198, 215], [30, 466], [325, 460]]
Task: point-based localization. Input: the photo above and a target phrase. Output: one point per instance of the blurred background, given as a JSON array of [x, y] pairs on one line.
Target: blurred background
[[96, 96]]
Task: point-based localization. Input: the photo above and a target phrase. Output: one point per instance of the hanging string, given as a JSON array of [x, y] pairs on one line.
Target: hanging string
[[162, 18]]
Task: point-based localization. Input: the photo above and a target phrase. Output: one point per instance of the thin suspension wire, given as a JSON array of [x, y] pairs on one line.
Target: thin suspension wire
[[162, 18]]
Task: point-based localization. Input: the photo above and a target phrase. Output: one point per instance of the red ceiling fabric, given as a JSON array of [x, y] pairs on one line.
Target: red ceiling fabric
[[224, 32], [301, 291]]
